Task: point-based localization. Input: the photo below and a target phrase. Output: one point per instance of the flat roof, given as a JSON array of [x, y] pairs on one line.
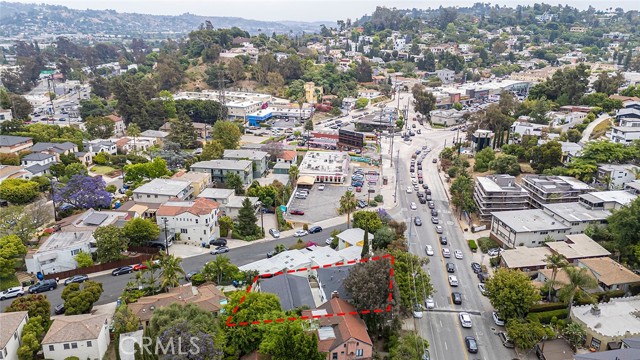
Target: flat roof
[[223, 164], [575, 211], [500, 183], [621, 197], [213, 193], [578, 246], [324, 162], [525, 257], [163, 187], [549, 183], [62, 240], [617, 317], [529, 220], [245, 154]]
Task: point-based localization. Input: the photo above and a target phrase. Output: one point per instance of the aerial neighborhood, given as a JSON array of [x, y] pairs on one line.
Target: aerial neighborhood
[[436, 183]]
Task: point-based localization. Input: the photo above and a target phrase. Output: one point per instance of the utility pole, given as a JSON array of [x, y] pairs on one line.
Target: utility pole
[[166, 236]]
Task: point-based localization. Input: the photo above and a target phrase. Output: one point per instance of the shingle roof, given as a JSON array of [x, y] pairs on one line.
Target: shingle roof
[[36, 157], [10, 322], [75, 328], [56, 147], [200, 206], [609, 272], [293, 291], [345, 327], [578, 246], [8, 140]]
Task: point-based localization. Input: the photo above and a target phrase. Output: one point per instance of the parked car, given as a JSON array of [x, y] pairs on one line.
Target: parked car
[[506, 341], [362, 204], [425, 186], [472, 345], [76, 279], [456, 297], [300, 232], [296, 212], [59, 309], [41, 286], [451, 268], [439, 229], [189, 275], [413, 206], [434, 161], [321, 187], [483, 290], [429, 250], [122, 270], [11, 293], [434, 212], [218, 242], [434, 220], [315, 229], [453, 280], [273, 232], [409, 189], [458, 254], [417, 221], [219, 250], [494, 252], [430, 303], [432, 205], [140, 266], [329, 241], [417, 311], [465, 319], [496, 319], [483, 277]]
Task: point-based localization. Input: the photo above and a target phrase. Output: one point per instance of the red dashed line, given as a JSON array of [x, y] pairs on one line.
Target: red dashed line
[[281, 320]]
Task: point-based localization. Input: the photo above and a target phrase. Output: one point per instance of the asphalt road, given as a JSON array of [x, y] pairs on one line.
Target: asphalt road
[[113, 285], [441, 326]]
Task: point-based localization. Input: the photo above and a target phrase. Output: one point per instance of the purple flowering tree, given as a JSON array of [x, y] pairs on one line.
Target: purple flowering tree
[[184, 342], [84, 192]]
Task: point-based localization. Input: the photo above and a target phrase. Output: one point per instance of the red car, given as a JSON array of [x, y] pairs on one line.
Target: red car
[[139, 267], [296, 212]]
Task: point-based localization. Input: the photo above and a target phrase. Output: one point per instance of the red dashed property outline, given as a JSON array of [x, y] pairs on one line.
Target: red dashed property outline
[[280, 320]]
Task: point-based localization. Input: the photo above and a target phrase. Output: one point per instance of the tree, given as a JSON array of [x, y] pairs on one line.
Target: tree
[[36, 305], [347, 203], [574, 135], [21, 107], [483, 158], [32, 332], [235, 69], [408, 346], [423, 100], [19, 191], [124, 320], [288, 340], [110, 243], [83, 259], [368, 221], [226, 224], [462, 194], [363, 71], [505, 164], [247, 220], [220, 270], [11, 249], [273, 148], [227, 133], [555, 262], [234, 181], [84, 192], [546, 156], [574, 334], [170, 271], [212, 150], [608, 152], [182, 132], [137, 173], [99, 127], [294, 171], [133, 130], [565, 87], [383, 237], [525, 334], [579, 279], [624, 224], [413, 282], [511, 293], [361, 103], [80, 299], [608, 84], [138, 231]]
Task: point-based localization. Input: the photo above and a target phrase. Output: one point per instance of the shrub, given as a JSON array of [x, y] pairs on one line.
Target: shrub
[[378, 198], [487, 243], [473, 246], [547, 307], [305, 227], [197, 280], [495, 261], [453, 171], [373, 203], [546, 317]]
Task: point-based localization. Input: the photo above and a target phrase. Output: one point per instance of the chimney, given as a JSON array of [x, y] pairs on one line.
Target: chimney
[[335, 295]]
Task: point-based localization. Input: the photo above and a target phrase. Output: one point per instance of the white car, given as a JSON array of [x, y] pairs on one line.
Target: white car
[[321, 187], [429, 250], [430, 303], [417, 311], [299, 233], [414, 181], [457, 254], [414, 206], [496, 319], [483, 290], [329, 241], [465, 319], [11, 293], [453, 280], [446, 253], [409, 190], [274, 232]]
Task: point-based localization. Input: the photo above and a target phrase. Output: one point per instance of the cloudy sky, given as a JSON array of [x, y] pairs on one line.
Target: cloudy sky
[[301, 10]]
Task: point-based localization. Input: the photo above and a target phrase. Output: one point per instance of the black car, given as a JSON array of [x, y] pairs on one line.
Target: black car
[[443, 240], [41, 286], [472, 345], [422, 200], [122, 270], [457, 298], [451, 268], [417, 221], [59, 309], [434, 161], [315, 229], [483, 277], [218, 242], [76, 279], [425, 186], [434, 212], [428, 191], [476, 268], [189, 275]]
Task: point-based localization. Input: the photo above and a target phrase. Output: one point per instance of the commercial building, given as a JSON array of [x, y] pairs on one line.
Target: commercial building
[[196, 221], [218, 169], [258, 158], [81, 336], [545, 189], [446, 117], [325, 167], [159, 191], [11, 334], [498, 193]]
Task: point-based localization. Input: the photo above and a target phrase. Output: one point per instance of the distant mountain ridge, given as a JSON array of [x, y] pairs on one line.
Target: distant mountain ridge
[[18, 17]]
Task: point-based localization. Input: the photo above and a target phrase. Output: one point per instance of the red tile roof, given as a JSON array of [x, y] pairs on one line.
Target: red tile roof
[[200, 206], [288, 155], [345, 327]]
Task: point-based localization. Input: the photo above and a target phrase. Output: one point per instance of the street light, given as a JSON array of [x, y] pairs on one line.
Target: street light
[[166, 235]]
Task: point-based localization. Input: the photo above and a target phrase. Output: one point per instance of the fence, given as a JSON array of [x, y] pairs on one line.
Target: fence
[[144, 254]]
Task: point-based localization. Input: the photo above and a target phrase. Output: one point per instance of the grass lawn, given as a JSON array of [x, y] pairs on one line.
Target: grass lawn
[[7, 282], [102, 169]]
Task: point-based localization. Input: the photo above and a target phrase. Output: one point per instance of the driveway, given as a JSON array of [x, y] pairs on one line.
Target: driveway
[[587, 132]]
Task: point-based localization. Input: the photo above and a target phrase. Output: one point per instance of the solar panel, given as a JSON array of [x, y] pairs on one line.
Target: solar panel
[[95, 219]]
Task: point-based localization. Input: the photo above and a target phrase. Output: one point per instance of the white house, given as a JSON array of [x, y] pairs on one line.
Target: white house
[[527, 128], [617, 175], [37, 159], [58, 252], [446, 76], [118, 124], [196, 221], [159, 191], [83, 336], [95, 147], [352, 237], [11, 334]]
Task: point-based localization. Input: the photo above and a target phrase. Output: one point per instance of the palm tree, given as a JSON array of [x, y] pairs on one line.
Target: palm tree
[[133, 130], [215, 270], [294, 171], [579, 278], [347, 205], [170, 271], [636, 172], [555, 262]]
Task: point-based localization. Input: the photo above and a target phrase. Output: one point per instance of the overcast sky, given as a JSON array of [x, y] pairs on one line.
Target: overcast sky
[[301, 10]]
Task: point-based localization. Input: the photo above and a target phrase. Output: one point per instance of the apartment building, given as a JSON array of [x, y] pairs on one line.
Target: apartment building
[[220, 168], [258, 158], [553, 189], [158, 191], [615, 176], [195, 221], [498, 193]]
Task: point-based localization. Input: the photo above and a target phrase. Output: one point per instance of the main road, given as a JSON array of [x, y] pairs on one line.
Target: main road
[[441, 326], [114, 285]]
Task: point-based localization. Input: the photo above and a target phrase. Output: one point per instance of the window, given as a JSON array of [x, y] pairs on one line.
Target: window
[[89, 344], [66, 346], [543, 232], [183, 231], [51, 348], [205, 231], [196, 221], [359, 352], [335, 356], [148, 196], [15, 335], [75, 252], [595, 344], [74, 345], [156, 196]]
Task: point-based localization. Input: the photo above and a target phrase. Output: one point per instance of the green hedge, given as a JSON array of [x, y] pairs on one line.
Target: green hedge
[[546, 316], [473, 246], [547, 307], [487, 243]]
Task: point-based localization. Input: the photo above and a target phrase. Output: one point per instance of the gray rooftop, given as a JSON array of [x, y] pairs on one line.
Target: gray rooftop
[[163, 187], [223, 164], [500, 183], [154, 133], [56, 147], [245, 154], [293, 291], [619, 196], [95, 219], [620, 354], [332, 280], [282, 165], [575, 211], [8, 140], [37, 168], [64, 240], [214, 193], [529, 220], [37, 157], [556, 183]]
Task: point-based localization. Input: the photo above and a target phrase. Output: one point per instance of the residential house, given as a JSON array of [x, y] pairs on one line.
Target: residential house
[[58, 252], [615, 176], [610, 275], [203, 131], [446, 117], [281, 168], [196, 221], [633, 187], [5, 115], [207, 297], [525, 258], [159, 191], [562, 279], [220, 168], [158, 135], [523, 128], [482, 139], [341, 337], [369, 94], [608, 323], [576, 216], [82, 336], [446, 76], [494, 193], [352, 237], [12, 172], [628, 128], [118, 125], [569, 150], [11, 334], [607, 200], [331, 281], [37, 159], [545, 189], [288, 157], [199, 180], [577, 247], [84, 157], [95, 147], [530, 228], [260, 160], [14, 144], [294, 291], [139, 143], [230, 203], [57, 149]]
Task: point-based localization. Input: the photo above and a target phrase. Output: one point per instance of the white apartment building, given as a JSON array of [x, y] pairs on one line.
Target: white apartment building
[[498, 193], [617, 175], [83, 336], [158, 191], [195, 221], [258, 158]]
